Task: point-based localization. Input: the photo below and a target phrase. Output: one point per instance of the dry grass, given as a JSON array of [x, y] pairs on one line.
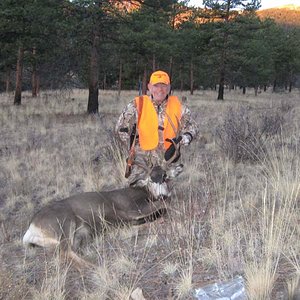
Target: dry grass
[[226, 217]]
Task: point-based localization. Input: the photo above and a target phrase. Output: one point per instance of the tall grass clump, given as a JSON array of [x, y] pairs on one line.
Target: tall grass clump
[[255, 231], [182, 238], [276, 224], [254, 221], [54, 284]]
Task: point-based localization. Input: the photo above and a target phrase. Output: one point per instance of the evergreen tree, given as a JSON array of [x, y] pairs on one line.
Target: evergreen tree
[[251, 64], [24, 26], [149, 37], [285, 42], [191, 43], [224, 11]]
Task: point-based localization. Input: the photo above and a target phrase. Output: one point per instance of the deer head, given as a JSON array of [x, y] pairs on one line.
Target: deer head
[[156, 177]]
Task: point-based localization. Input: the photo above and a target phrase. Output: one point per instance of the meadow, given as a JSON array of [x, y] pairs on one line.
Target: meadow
[[234, 209]]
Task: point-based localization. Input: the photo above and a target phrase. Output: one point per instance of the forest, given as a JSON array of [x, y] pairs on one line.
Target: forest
[[111, 44]]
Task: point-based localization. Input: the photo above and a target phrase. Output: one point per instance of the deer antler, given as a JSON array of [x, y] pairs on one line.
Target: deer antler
[[174, 140], [141, 163], [176, 131]]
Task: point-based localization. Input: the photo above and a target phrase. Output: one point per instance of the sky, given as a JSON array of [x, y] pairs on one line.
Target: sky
[[264, 3]]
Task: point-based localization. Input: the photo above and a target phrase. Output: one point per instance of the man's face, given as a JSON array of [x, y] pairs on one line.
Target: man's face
[[159, 91]]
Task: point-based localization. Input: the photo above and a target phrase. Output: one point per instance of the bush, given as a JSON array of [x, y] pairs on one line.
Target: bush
[[243, 134]]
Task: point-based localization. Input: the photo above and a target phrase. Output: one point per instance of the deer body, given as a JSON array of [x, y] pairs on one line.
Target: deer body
[[73, 221], [79, 217]]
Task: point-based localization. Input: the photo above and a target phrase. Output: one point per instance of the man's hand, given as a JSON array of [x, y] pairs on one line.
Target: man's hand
[[186, 139], [170, 152]]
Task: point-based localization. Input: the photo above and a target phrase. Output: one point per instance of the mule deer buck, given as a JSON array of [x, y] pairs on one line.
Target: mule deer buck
[[70, 222]]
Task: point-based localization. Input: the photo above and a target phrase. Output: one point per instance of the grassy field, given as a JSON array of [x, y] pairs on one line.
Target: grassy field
[[234, 210]]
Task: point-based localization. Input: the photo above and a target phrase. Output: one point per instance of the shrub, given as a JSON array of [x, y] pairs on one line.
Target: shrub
[[243, 134]]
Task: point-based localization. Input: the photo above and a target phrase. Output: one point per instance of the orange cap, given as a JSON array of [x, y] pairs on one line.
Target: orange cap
[[159, 77]]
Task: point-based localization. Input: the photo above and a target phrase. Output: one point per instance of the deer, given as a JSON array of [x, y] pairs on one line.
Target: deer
[[71, 222]]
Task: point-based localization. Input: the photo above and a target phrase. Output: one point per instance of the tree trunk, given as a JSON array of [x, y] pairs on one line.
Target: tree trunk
[[221, 86], [93, 103], [223, 62], [144, 86], [255, 90], [34, 78], [140, 86], [223, 56], [38, 84], [171, 67], [265, 88], [19, 75], [244, 90], [7, 81], [35, 84], [192, 77], [290, 87], [153, 63], [104, 82], [120, 78], [274, 85], [181, 78]]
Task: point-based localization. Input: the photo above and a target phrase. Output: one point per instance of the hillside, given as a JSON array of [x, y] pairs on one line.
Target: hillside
[[287, 14]]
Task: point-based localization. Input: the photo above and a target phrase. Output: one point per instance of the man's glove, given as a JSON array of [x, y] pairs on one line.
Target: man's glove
[[170, 152], [186, 139]]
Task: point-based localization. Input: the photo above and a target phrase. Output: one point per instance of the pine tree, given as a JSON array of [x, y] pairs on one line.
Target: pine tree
[[223, 10]]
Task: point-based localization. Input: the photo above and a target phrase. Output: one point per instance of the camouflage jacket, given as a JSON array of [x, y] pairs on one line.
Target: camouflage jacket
[[129, 117]]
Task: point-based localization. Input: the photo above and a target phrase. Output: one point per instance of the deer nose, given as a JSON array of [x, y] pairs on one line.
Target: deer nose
[[160, 179], [158, 175]]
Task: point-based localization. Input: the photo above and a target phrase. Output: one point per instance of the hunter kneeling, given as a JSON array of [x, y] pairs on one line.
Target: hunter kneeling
[[153, 128]]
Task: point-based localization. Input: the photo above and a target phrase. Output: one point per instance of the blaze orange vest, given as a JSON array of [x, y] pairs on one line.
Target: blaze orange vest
[[148, 122]]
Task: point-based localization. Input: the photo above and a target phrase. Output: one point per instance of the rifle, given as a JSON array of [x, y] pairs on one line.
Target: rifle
[[133, 135], [131, 155]]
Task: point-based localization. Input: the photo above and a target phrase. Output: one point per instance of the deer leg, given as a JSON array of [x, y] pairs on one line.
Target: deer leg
[[82, 237], [78, 262], [69, 255]]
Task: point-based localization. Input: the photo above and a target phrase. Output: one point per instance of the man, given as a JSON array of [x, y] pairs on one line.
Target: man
[[154, 127]]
